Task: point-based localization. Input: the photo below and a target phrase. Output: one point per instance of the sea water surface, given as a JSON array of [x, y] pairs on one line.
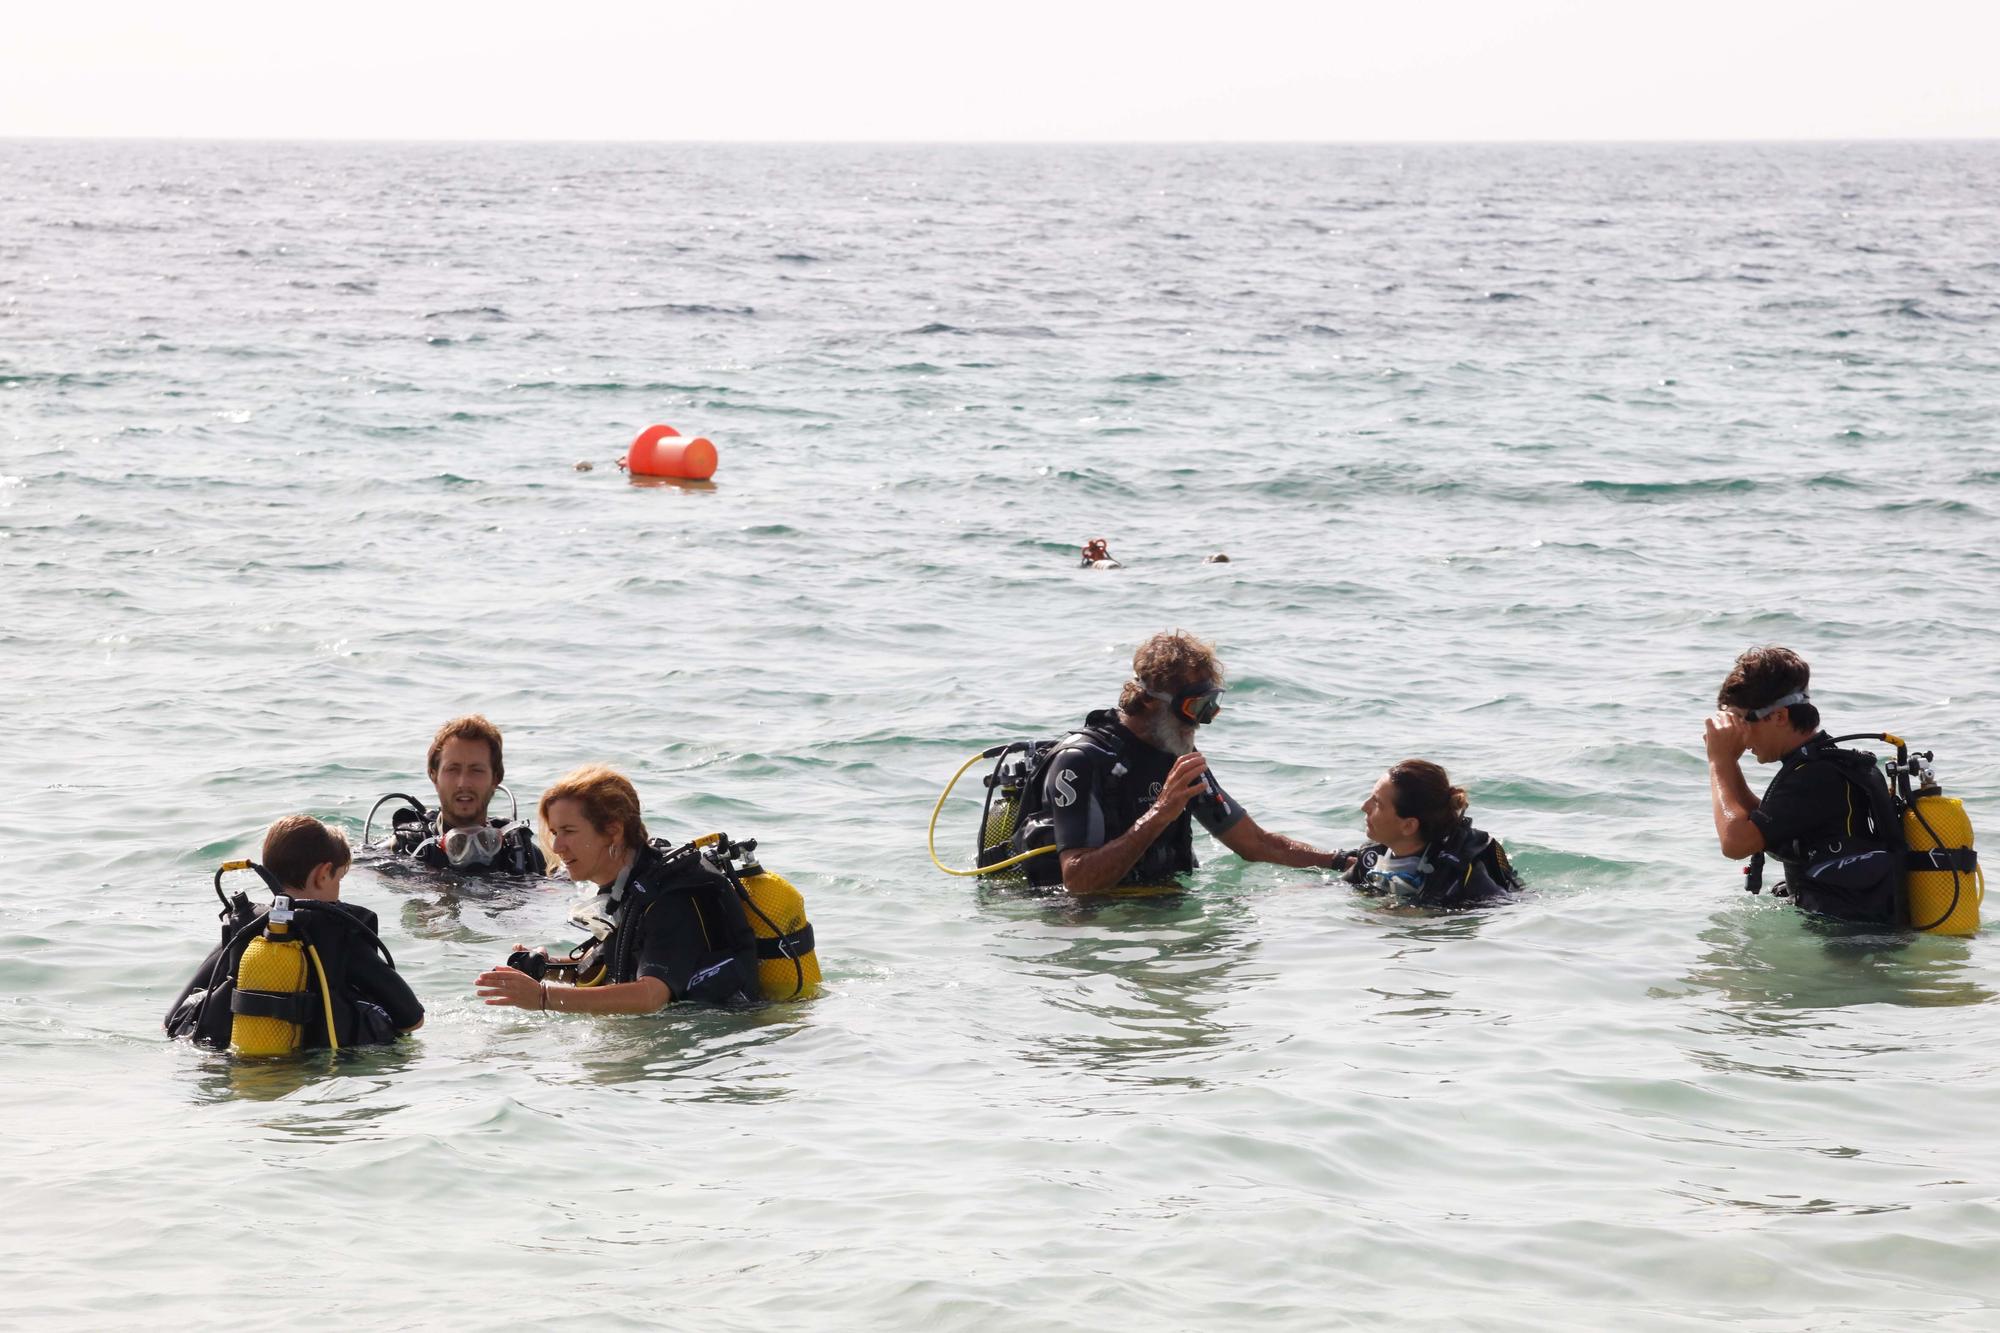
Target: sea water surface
[[1512, 450]]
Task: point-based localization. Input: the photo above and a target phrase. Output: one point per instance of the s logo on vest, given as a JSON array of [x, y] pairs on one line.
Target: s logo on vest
[[1065, 789]]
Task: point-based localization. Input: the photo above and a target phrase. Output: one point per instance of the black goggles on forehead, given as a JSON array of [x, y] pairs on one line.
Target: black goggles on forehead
[[1198, 705]]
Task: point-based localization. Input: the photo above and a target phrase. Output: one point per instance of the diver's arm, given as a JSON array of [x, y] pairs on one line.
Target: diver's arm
[[510, 986], [1254, 843], [1729, 794], [644, 996], [1095, 869]]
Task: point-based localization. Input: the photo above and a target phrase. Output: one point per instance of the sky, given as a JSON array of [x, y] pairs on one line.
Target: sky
[[1024, 71]]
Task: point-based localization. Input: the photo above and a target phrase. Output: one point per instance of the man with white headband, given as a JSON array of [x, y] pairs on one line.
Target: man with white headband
[[466, 767], [1827, 815]]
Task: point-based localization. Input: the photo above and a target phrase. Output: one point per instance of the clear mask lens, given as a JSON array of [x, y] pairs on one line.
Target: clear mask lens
[[466, 846]]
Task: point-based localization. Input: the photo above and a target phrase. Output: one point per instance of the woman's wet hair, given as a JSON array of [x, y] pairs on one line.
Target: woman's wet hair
[[1169, 663], [297, 845], [1762, 676], [471, 727], [608, 799], [1423, 792]]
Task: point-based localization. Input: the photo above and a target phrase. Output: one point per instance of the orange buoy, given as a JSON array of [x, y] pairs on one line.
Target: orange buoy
[[661, 451]]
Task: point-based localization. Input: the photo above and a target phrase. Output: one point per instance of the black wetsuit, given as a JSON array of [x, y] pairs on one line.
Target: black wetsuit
[[1828, 819], [1101, 779], [420, 838], [682, 922], [371, 1003], [1466, 867]]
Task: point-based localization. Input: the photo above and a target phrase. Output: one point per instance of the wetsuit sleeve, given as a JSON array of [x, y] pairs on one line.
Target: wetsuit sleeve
[[376, 980], [675, 948], [1803, 805], [370, 978], [1216, 809], [1074, 795]]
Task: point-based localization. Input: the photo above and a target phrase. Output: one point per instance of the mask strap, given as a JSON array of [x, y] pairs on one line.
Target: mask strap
[[1795, 697]]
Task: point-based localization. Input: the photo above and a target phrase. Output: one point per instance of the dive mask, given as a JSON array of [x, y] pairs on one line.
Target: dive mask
[[471, 846], [1198, 705]]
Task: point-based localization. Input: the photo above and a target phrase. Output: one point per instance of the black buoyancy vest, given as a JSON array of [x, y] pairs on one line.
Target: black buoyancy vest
[[202, 1011], [1856, 874], [1124, 798], [1464, 867], [662, 872]]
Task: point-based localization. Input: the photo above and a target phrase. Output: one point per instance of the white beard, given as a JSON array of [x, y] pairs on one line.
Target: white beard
[[1166, 732]]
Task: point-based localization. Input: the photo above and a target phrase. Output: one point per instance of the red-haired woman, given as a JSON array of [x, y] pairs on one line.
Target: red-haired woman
[[663, 927]]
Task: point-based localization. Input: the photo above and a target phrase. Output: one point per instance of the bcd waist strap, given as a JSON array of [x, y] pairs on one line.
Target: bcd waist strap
[[797, 944], [1962, 859], [288, 1006]]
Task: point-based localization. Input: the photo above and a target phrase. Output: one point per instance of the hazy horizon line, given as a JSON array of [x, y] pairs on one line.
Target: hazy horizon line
[[1747, 140]]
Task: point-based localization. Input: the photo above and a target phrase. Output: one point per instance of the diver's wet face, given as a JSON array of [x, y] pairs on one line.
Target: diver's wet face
[[464, 781], [1769, 739], [587, 852], [1379, 817]]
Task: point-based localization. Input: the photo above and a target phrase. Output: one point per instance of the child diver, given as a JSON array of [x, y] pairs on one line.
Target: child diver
[[304, 862]]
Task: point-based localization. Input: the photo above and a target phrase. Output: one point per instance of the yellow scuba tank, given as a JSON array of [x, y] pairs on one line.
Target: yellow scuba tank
[[1002, 811], [1945, 883], [270, 981], [787, 959]]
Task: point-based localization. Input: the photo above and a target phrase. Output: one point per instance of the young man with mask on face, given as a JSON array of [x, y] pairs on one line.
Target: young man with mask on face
[[1122, 792], [466, 767], [1826, 816]]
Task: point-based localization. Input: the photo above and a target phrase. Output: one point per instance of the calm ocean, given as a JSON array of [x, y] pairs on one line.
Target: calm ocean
[[1513, 449]]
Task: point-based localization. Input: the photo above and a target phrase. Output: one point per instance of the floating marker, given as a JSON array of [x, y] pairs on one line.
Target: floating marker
[[661, 451]]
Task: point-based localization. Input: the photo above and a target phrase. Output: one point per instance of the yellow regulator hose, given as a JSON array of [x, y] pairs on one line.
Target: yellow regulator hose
[[1007, 864]]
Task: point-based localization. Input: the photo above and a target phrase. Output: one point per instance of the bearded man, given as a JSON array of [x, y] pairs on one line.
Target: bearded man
[[1123, 792]]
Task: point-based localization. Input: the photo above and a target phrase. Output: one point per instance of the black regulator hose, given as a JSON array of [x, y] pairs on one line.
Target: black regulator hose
[[367, 825]]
